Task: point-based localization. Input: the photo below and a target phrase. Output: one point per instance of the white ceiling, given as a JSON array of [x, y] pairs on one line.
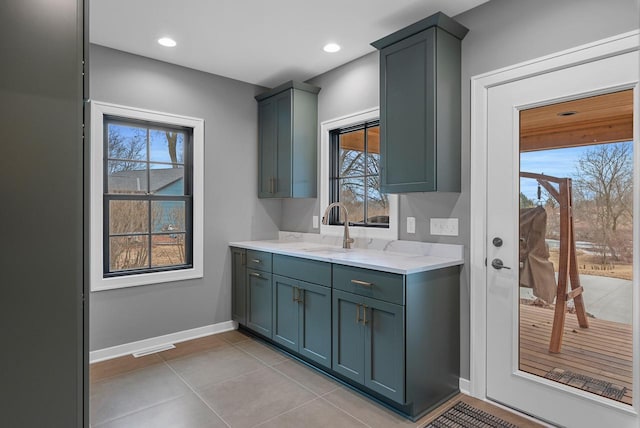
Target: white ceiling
[[264, 42]]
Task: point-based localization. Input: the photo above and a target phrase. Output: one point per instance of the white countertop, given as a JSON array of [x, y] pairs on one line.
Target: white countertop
[[403, 257]]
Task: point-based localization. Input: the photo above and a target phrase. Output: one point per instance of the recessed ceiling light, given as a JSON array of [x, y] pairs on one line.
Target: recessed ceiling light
[[331, 47], [167, 42]]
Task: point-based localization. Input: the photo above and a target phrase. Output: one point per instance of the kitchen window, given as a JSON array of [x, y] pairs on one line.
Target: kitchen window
[[146, 197], [350, 173]]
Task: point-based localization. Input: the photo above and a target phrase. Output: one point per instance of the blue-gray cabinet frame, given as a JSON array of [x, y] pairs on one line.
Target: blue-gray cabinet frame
[[259, 306], [302, 318], [287, 141], [239, 285], [420, 90], [368, 343]]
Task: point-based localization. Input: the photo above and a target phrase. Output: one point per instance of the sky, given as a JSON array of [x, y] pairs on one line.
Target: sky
[[557, 163]]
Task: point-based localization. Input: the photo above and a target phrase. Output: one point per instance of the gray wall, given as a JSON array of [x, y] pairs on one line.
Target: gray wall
[[232, 211], [502, 33]]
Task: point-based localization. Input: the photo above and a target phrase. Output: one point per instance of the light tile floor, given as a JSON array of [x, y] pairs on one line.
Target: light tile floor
[[233, 380]]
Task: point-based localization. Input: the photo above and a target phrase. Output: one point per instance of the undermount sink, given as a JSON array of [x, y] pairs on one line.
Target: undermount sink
[[325, 250]]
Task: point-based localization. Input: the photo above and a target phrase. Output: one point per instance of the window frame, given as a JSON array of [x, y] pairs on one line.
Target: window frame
[[326, 127], [100, 112]]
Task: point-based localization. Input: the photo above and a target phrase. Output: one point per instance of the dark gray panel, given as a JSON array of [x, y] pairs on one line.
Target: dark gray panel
[[259, 260], [305, 147], [42, 215], [284, 144]]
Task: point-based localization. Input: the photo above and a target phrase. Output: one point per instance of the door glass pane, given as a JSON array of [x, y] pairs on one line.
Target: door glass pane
[[576, 244]]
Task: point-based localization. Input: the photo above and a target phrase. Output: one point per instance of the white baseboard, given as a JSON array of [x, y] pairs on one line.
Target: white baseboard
[[153, 342], [465, 386]]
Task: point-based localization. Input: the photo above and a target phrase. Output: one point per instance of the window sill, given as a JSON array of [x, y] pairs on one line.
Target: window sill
[[102, 284]]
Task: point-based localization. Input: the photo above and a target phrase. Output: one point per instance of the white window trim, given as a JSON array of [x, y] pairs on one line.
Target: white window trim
[[98, 111], [325, 140]]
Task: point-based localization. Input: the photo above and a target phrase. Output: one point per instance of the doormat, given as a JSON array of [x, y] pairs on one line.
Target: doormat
[[586, 383], [463, 415]]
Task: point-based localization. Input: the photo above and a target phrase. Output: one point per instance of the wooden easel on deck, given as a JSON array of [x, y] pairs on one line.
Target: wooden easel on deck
[[568, 267]]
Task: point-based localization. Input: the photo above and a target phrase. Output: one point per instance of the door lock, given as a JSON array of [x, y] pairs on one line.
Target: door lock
[[497, 242], [497, 264]]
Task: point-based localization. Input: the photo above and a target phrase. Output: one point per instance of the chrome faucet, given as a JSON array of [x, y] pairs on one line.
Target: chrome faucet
[[346, 240]]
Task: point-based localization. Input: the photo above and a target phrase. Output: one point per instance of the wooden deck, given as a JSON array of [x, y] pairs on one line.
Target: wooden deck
[[603, 351]]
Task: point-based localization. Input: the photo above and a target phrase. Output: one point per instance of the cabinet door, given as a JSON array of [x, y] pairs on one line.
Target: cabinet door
[[284, 149], [407, 114], [268, 150], [315, 323], [384, 345], [285, 312], [238, 286], [259, 306], [348, 335]]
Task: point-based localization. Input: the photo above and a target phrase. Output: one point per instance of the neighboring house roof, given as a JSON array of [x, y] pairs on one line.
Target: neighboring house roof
[[136, 180]]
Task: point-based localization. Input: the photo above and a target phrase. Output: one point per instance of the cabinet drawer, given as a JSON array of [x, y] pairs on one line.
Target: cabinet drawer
[[259, 260], [303, 269], [371, 283]]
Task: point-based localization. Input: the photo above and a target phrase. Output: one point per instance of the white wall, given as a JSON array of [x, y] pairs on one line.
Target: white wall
[[232, 211]]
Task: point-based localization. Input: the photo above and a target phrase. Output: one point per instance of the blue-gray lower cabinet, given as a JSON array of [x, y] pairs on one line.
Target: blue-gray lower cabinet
[[239, 285], [259, 306], [368, 343], [302, 318]]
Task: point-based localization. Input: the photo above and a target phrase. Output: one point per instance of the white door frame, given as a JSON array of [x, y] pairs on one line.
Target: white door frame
[[480, 85]]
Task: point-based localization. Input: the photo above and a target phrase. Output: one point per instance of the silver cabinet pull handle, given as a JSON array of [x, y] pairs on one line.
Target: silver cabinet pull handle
[[293, 294], [364, 319], [256, 260], [257, 275], [363, 283], [358, 313]]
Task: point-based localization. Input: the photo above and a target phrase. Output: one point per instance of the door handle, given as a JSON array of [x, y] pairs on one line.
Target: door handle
[[358, 313], [257, 275], [497, 264], [364, 310]]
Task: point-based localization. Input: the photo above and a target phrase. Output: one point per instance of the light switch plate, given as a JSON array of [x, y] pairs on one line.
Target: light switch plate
[[411, 225], [444, 226], [315, 224]]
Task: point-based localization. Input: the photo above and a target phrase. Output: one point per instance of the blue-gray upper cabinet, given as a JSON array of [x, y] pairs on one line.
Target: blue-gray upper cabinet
[[420, 88], [287, 141], [302, 309]]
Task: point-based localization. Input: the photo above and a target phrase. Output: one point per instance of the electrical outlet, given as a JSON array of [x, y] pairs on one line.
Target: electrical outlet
[[315, 222], [444, 226], [411, 225]]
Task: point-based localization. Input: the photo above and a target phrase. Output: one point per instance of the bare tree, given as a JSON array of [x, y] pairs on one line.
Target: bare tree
[[604, 186], [128, 150], [172, 144]]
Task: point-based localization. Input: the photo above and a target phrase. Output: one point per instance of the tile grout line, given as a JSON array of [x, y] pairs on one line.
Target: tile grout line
[[286, 411], [197, 394], [133, 412], [343, 410]]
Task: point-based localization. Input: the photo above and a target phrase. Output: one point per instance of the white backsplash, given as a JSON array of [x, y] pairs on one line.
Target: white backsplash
[[392, 246]]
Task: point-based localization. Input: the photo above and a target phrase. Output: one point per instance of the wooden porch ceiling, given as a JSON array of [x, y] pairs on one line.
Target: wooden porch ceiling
[[604, 118]]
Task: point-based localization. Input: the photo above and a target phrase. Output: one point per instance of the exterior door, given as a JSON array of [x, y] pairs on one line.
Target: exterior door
[[506, 381]]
